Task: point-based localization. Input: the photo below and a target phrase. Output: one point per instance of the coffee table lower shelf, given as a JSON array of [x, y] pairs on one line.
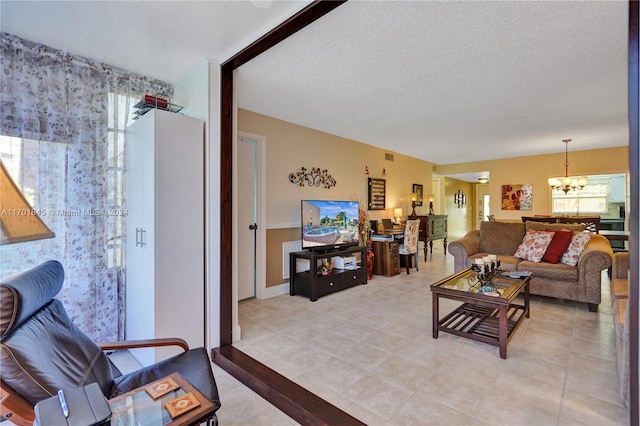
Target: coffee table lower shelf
[[481, 323]]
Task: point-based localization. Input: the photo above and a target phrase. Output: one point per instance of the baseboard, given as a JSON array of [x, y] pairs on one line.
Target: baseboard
[[236, 333], [276, 290]]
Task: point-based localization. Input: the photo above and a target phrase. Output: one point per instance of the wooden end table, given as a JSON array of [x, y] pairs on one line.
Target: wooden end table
[[481, 317], [136, 407]]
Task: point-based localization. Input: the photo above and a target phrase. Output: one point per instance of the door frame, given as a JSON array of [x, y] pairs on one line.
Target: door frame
[[261, 235], [305, 17], [479, 204]]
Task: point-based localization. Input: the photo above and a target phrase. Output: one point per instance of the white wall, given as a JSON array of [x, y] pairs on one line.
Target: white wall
[[199, 92]]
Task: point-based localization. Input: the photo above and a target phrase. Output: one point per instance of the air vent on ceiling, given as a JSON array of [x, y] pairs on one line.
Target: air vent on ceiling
[[388, 156]]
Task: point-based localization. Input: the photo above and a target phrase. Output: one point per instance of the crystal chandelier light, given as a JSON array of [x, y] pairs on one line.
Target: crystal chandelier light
[[567, 184]]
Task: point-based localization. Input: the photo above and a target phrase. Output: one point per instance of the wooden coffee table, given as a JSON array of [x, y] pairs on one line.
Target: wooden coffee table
[[484, 318], [136, 407]]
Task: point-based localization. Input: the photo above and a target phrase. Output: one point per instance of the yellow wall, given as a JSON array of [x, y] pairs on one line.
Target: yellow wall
[[290, 147], [460, 219], [536, 170]]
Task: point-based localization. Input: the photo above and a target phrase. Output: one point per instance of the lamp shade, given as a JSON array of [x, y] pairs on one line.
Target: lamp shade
[[397, 212], [431, 198], [18, 220]]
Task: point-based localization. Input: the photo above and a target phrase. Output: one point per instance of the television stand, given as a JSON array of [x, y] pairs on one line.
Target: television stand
[[313, 284]]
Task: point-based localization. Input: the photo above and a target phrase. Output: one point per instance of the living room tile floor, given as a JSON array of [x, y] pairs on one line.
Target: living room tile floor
[[369, 351]]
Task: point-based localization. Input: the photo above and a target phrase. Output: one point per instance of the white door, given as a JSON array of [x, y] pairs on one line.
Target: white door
[[247, 216], [482, 199]]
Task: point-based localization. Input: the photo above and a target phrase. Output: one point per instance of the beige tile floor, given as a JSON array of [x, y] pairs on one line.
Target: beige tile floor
[[369, 351]]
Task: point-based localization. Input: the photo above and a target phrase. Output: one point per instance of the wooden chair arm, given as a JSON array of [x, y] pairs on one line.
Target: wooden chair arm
[[147, 343], [14, 407]]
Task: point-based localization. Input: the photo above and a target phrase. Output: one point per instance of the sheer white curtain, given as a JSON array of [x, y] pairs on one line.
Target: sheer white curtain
[[62, 138]]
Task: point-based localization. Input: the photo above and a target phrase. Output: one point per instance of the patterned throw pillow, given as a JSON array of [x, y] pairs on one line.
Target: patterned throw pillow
[[534, 245], [576, 247]]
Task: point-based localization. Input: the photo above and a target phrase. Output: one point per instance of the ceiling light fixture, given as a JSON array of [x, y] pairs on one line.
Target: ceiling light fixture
[[483, 180], [567, 184]]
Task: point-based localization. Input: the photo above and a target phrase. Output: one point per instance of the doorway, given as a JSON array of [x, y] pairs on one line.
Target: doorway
[[250, 216], [247, 216], [482, 200]]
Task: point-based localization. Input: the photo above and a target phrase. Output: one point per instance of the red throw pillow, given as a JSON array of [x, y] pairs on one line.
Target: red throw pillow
[[559, 244]]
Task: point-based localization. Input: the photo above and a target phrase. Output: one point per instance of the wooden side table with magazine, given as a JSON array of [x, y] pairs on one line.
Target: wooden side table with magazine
[[169, 401], [489, 318]]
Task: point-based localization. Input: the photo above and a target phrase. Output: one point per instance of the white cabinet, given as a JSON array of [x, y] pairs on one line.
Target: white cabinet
[[618, 189], [165, 231]]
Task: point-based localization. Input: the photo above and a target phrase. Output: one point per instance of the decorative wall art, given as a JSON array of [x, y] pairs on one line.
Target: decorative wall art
[[377, 193], [517, 197], [417, 189], [314, 177], [459, 198]]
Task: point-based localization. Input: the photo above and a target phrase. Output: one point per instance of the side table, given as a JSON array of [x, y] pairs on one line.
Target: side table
[[136, 407], [386, 260]]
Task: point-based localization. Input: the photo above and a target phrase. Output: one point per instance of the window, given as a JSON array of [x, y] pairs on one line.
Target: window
[[35, 167], [119, 119], [596, 197]]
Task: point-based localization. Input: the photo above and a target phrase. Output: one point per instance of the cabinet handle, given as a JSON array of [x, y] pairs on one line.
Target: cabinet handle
[[140, 237]]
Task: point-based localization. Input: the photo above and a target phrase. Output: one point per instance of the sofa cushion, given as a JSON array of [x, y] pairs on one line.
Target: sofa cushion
[[559, 244], [576, 247], [619, 289], [620, 265], [534, 245], [500, 237], [542, 226], [550, 271]]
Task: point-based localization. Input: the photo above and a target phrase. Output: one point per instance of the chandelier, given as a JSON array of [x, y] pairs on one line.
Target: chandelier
[[567, 184]]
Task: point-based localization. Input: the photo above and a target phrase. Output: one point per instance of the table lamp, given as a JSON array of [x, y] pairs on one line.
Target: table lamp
[[397, 212], [430, 198], [414, 198]]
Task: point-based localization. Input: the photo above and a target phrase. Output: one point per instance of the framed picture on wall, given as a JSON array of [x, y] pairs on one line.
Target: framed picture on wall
[[517, 197], [417, 189], [377, 194]]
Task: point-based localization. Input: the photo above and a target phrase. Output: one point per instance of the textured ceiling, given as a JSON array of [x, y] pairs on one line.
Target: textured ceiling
[[447, 82], [453, 82]]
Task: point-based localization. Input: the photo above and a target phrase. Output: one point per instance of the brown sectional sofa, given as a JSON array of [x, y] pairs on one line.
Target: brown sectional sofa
[[581, 282], [620, 299]]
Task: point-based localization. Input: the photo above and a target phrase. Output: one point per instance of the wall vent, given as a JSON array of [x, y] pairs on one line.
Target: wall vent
[[388, 157], [288, 247], [434, 168]]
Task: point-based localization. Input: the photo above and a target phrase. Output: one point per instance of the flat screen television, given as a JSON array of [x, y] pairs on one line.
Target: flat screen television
[[329, 224]]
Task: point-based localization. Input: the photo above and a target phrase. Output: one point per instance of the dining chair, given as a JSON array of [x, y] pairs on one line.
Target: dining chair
[[409, 246]]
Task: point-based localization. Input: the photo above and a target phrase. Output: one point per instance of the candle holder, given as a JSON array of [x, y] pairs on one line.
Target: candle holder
[[482, 281]]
